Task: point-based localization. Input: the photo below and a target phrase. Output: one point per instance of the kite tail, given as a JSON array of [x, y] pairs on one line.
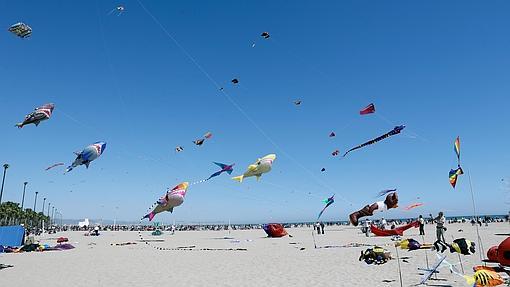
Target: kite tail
[[238, 178], [150, 216], [68, 169]]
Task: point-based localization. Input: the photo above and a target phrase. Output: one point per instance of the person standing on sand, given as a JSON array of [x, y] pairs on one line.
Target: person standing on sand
[[421, 221], [322, 227], [440, 221]]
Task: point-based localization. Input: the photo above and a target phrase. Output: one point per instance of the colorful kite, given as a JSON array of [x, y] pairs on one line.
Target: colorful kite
[[332, 134], [87, 155], [386, 191], [396, 130], [208, 135], [21, 30], [328, 202], [453, 174], [171, 199], [54, 165], [261, 166], [370, 109], [224, 168], [456, 147], [414, 205], [39, 114]]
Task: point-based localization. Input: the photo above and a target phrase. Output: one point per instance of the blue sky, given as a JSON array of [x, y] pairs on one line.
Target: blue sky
[[440, 68]]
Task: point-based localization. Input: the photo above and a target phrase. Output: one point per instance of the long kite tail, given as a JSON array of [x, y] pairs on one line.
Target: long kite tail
[[386, 135]]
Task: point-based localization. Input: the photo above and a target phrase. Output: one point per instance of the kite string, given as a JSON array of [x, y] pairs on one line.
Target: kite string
[[195, 62]]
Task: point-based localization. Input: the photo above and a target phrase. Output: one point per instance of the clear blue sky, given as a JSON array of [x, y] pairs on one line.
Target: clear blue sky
[[440, 68]]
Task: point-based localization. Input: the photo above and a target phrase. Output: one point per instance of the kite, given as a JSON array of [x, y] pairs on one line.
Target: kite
[[456, 147], [376, 255], [21, 30], [171, 199], [224, 168], [323, 169], [87, 155], [414, 205], [485, 276], [265, 35], [328, 202], [235, 81], [370, 109], [208, 135], [398, 231], [335, 152], [297, 102], [54, 165], [274, 230], [453, 174], [332, 134], [261, 166], [39, 114], [462, 246], [199, 142], [386, 191], [179, 148], [390, 202], [396, 130]]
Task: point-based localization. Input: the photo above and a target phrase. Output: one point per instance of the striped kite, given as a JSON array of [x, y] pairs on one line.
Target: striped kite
[[396, 130], [453, 175]]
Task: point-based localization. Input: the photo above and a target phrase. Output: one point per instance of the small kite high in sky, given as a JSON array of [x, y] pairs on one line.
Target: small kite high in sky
[[265, 35], [54, 165], [87, 155], [171, 199], [386, 191], [179, 148], [261, 166], [208, 135], [224, 168], [199, 142], [396, 130], [328, 202], [21, 30], [414, 205], [454, 173], [323, 169], [235, 81], [335, 152], [370, 109], [39, 114], [297, 102], [332, 134]]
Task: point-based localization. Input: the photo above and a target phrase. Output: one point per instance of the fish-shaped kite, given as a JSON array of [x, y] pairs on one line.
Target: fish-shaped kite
[[87, 155], [224, 168], [370, 109], [39, 114], [261, 166], [396, 130], [171, 199], [328, 202]]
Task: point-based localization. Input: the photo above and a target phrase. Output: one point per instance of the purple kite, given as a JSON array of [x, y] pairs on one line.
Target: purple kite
[[224, 168]]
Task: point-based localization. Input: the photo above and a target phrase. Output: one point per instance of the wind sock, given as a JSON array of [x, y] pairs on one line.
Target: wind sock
[[328, 202], [456, 147], [396, 130], [370, 109], [453, 175], [224, 168]]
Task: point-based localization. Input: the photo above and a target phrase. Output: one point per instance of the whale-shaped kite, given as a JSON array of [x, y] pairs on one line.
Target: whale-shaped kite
[[87, 155], [172, 198], [261, 166]]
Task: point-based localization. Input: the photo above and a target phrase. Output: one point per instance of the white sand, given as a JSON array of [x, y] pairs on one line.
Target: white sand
[[268, 261]]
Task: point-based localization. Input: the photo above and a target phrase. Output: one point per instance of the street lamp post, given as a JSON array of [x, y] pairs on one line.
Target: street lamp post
[[6, 166], [35, 200], [44, 201], [52, 218], [23, 198]]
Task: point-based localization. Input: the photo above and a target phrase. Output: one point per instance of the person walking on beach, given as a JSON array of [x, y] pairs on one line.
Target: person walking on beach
[[421, 221], [318, 226], [322, 227], [440, 221]]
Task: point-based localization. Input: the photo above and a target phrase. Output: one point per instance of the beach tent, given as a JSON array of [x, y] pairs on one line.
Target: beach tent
[[12, 235], [274, 230]]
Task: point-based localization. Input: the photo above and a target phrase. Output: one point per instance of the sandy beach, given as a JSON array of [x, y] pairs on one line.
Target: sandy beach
[[266, 262]]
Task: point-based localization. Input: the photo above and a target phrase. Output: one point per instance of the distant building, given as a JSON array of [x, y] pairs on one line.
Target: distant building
[[84, 223]]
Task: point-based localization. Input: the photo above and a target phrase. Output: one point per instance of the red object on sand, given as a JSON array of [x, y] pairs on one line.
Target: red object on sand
[[370, 109], [62, 239], [275, 230], [492, 254], [392, 232], [500, 254]]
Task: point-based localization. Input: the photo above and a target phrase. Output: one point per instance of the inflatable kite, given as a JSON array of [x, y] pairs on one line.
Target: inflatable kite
[[485, 276], [54, 165], [224, 168], [261, 166], [391, 201], [21, 30], [171, 199], [393, 232], [414, 205], [274, 230], [328, 202], [376, 255], [87, 155], [462, 246], [411, 244], [39, 114], [396, 130], [370, 109], [500, 254]]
